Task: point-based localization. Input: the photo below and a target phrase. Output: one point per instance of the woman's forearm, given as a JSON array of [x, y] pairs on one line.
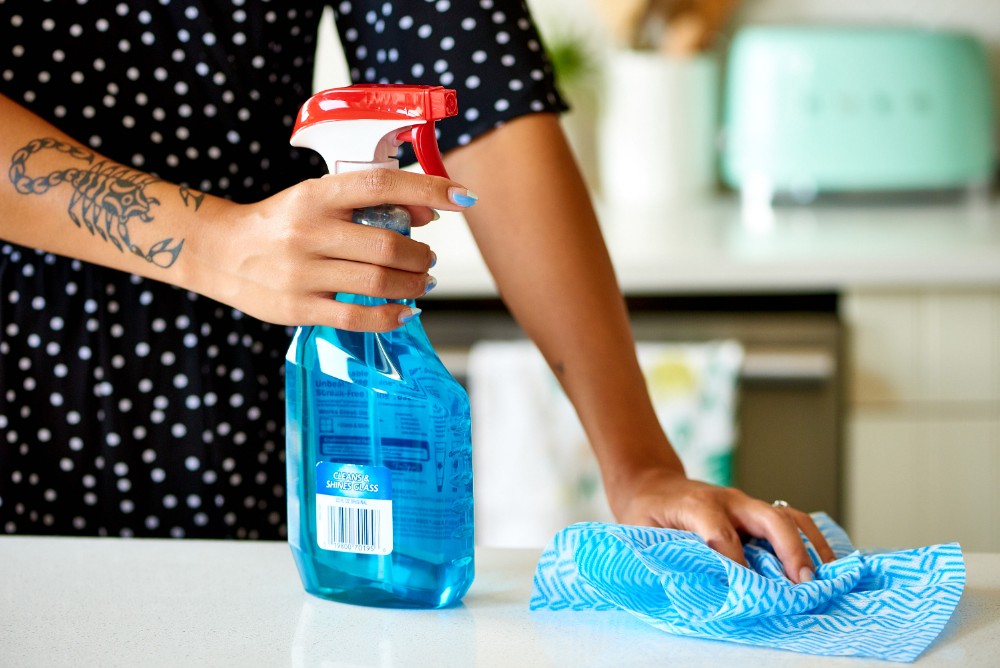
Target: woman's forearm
[[539, 235], [61, 196], [281, 259]]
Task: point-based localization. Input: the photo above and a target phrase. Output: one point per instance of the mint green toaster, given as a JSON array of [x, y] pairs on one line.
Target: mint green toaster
[[821, 109]]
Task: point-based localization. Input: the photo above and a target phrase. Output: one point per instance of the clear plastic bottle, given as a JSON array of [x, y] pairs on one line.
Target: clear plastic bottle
[[379, 462]]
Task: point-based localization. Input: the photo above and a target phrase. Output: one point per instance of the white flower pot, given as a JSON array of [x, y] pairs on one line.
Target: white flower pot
[[657, 129]]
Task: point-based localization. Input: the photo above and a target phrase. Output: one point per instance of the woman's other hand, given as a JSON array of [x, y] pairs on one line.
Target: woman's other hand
[[661, 496]]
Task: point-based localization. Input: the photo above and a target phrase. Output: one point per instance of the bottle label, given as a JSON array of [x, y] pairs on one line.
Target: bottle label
[[354, 508]]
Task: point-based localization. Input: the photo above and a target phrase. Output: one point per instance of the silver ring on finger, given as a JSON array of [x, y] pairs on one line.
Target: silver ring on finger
[[779, 503]]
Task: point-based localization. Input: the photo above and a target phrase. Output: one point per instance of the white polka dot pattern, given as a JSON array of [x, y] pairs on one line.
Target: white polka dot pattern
[[132, 408], [93, 443], [459, 44]]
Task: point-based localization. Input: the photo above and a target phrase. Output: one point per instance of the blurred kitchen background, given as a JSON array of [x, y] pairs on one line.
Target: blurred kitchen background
[[800, 199]]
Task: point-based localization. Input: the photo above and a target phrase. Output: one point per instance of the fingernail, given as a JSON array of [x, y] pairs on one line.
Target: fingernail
[[434, 259], [806, 574], [431, 284], [462, 197], [436, 216], [406, 315]]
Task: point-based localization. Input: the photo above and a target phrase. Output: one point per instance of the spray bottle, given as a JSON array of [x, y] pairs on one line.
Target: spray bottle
[[379, 453]]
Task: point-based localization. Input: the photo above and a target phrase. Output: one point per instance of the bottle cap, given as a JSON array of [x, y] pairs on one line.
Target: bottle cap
[[362, 126]]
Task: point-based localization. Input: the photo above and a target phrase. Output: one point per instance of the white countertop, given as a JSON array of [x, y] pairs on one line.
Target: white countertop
[[713, 247], [144, 602]]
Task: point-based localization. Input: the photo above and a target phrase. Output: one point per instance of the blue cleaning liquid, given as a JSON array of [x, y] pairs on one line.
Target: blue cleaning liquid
[[379, 462]]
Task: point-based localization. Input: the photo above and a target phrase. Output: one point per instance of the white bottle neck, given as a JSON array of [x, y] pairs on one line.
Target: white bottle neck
[[342, 166]]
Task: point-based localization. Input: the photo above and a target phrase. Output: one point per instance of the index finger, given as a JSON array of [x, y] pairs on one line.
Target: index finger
[[370, 187]]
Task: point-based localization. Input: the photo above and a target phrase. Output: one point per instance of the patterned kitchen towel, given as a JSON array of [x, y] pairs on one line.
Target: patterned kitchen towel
[[888, 605], [522, 414]]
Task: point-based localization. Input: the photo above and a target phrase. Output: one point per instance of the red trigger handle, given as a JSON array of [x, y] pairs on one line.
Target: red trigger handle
[[425, 147]]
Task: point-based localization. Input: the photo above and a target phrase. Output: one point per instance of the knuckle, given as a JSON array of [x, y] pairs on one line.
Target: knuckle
[[733, 497], [774, 516], [418, 285], [722, 535], [781, 521], [302, 197], [801, 518], [310, 190], [375, 282], [377, 181], [387, 245], [290, 233], [428, 254], [690, 505], [364, 319], [350, 319], [331, 188], [704, 497], [285, 239], [433, 189]]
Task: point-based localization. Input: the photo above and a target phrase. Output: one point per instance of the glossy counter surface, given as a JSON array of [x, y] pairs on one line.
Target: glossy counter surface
[[131, 602]]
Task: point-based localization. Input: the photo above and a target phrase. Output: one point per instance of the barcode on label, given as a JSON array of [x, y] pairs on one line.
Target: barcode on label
[[354, 525]]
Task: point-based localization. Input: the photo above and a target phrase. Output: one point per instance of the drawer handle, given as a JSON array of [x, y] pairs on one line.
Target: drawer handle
[[788, 366]]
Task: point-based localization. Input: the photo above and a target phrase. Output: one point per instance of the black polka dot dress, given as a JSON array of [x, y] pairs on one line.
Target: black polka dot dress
[[129, 407]]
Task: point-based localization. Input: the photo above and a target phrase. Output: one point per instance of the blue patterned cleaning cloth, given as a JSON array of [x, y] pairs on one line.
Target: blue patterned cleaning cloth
[[888, 605]]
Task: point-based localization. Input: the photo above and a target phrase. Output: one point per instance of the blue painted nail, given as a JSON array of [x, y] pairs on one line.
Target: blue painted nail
[[434, 259], [462, 197], [431, 284], [407, 315]]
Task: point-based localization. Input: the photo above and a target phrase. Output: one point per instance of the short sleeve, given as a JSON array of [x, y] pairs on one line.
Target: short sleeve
[[489, 51]]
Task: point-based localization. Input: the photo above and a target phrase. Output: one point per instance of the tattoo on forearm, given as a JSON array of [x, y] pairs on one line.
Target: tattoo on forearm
[[188, 196], [107, 198]]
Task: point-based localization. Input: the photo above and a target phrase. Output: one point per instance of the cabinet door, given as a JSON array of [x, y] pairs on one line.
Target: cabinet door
[[923, 437], [928, 346], [914, 481]]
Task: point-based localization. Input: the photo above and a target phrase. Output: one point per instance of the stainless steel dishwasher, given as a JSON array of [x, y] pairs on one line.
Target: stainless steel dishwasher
[[791, 383]]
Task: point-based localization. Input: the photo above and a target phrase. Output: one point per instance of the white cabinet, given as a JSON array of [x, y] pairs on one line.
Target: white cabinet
[[922, 457]]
